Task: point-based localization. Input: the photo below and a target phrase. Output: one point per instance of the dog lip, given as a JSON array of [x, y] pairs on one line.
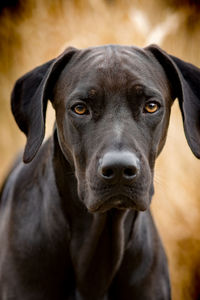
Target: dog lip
[[121, 197], [117, 201]]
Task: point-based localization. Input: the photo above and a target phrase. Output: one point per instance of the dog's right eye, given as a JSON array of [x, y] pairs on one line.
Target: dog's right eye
[[80, 109], [151, 107]]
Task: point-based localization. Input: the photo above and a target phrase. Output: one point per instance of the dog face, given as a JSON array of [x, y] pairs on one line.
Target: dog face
[[112, 112], [112, 108]]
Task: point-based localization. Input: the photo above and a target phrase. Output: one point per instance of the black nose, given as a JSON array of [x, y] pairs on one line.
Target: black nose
[[117, 166]]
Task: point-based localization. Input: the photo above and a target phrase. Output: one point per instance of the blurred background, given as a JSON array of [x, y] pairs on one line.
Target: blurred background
[[34, 31]]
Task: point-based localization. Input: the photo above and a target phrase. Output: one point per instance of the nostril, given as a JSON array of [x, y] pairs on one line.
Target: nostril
[[118, 166], [107, 172], [130, 173]]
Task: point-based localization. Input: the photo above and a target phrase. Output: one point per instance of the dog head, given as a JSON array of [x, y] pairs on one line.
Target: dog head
[[112, 108]]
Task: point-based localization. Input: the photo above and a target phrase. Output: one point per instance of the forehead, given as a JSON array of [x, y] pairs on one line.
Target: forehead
[[114, 68]]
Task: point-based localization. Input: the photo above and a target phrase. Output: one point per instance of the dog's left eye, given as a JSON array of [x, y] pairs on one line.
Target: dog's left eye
[[151, 107], [80, 109]]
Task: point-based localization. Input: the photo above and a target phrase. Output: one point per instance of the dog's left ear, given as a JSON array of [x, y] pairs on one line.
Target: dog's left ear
[[29, 100], [185, 83]]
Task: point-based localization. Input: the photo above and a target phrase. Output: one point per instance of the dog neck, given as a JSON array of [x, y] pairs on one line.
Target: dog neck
[[102, 248], [97, 241]]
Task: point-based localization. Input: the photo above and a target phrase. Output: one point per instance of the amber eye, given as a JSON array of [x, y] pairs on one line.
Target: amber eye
[[151, 107], [80, 109]]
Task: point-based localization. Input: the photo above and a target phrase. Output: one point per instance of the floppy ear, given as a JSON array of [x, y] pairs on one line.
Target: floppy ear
[[29, 100], [185, 83]]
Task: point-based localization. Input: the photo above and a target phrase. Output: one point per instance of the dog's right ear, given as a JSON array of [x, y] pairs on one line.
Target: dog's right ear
[[29, 100], [184, 79]]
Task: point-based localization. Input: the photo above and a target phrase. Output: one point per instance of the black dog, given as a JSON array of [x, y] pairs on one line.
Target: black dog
[[75, 220]]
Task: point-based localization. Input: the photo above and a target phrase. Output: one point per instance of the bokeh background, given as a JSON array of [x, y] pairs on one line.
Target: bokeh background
[[34, 31]]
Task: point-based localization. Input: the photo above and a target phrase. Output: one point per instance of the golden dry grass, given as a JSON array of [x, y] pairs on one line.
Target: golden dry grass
[[39, 30]]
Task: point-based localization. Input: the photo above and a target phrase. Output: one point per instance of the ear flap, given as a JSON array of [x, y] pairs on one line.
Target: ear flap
[[29, 101], [185, 82]]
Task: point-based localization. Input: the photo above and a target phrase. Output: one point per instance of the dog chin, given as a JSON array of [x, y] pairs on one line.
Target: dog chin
[[121, 202]]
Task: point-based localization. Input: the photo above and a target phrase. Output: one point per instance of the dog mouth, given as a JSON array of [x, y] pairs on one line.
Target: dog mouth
[[119, 201], [101, 197]]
